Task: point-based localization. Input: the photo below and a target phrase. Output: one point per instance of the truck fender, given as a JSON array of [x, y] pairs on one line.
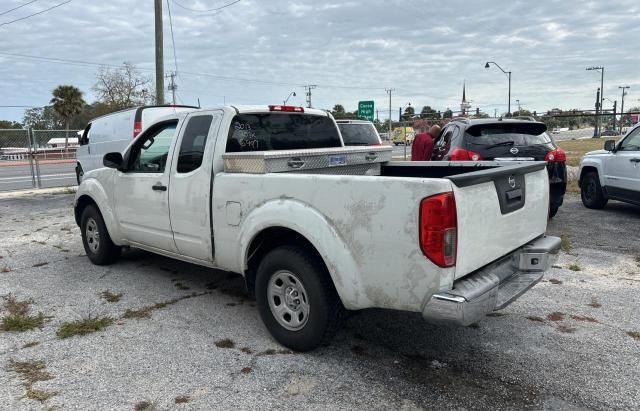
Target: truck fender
[[590, 164], [91, 188], [318, 230]]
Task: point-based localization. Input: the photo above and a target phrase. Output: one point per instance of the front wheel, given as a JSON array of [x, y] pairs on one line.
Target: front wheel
[[95, 238], [591, 192], [296, 298]]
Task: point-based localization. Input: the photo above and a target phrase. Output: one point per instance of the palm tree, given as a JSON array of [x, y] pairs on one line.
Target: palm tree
[[67, 102]]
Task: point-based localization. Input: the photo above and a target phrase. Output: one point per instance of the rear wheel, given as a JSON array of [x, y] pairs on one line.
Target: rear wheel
[[296, 299], [591, 191], [95, 238]]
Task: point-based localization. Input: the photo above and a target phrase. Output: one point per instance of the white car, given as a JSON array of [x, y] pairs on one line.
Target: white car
[[612, 173], [314, 227], [359, 133], [114, 132]]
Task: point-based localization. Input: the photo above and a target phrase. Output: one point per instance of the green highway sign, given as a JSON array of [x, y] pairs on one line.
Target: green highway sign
[[365, 110]]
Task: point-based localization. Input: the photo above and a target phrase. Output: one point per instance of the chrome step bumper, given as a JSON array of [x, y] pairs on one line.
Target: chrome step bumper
[[494, 286]]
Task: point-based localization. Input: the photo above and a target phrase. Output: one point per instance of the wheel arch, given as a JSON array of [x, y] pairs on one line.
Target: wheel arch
[[303, 227]]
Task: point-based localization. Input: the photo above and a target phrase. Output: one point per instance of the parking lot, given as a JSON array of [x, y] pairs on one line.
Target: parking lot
[[178, 336]]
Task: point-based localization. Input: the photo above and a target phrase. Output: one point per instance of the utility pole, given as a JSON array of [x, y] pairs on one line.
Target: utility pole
[[624, 93], [615, 104], [389, 91], [173, 86], [595, 130], [159, 54], [600, 101], [309, 88]]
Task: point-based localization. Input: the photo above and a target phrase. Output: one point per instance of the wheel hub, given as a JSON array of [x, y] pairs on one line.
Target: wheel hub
[[92, 234], [288, 300]]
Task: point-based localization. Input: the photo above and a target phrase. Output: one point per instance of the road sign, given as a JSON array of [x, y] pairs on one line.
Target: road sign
[[366, 110]]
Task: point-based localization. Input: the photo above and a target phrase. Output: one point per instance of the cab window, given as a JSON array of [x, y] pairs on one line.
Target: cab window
[[193, 143], [150, 156]]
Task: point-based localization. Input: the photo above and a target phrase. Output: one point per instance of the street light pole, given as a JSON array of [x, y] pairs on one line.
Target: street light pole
[[624, 93], [508, 73], [600, 100]]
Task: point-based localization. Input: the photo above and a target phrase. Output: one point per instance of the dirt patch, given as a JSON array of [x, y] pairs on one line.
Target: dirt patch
[[583, 318], [110, 297], [246, 370], [225, 343], [555, 316], [567, 329], [555, 281], [535, 318], [31, 372], [182, 399]]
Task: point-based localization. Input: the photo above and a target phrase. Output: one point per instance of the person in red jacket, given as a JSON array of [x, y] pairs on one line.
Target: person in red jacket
[[422, 147]]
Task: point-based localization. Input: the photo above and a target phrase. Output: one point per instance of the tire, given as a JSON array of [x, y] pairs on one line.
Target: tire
[[95, 238], [79, 173], [284, 275], [553, 210], [591, 192]]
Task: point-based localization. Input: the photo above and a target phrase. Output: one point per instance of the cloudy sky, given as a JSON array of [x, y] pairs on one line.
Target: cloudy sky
[[257, 52]]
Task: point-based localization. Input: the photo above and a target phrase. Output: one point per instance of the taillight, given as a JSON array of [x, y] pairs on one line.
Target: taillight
[[460, 154], [290, 109], [556, 156], [137, 128], [439, 229]]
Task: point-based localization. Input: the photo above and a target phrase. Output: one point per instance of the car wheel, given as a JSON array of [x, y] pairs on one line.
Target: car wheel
[[95, 238], [79, 173], [553, 210], [591, 192], [296, 298]]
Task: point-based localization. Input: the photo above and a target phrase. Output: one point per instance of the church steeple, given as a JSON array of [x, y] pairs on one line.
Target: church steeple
[[464, 105], [464, 91]]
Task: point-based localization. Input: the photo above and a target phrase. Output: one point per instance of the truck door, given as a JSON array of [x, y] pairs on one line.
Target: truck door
[[622, 169], [140, 193], [190, 186]]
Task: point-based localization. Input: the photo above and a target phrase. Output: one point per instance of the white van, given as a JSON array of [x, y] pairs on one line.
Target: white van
[[114, 132]]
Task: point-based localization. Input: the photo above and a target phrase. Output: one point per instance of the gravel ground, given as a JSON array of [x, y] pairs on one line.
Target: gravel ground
[[207, 348]]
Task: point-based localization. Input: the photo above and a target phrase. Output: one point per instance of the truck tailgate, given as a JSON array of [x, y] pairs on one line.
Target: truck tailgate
[[498, 210]]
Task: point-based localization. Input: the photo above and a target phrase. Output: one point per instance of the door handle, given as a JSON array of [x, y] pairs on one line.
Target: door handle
[[159, 187], [370, 156]]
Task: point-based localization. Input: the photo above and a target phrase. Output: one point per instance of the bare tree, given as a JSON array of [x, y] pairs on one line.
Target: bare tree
[[122, 87]]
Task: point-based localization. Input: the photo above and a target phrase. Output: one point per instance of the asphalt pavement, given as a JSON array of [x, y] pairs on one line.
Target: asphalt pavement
[[572, 342], [18, 177]]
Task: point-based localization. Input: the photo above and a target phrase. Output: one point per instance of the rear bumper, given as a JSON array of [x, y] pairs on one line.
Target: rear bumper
[[494, 286]]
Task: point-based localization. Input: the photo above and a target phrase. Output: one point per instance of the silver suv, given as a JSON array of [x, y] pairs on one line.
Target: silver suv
[[612, 173]]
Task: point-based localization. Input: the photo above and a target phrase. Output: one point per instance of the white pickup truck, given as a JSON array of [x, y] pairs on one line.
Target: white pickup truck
[[315, 227]]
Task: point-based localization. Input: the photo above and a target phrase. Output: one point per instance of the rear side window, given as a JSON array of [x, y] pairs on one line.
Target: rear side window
[[193, 143], [281, 131], [524, 134], [358, 134]]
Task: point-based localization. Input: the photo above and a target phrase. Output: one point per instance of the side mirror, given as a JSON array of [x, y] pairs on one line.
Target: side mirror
[[113, 160], [610, 145]]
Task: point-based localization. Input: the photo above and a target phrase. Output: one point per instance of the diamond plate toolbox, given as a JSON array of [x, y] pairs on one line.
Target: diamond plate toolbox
[[323, 160]]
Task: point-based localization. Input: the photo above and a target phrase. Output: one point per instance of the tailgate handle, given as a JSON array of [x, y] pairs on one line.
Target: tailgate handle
[[635, 160], [514, 195], [371, 156], [295, 162]]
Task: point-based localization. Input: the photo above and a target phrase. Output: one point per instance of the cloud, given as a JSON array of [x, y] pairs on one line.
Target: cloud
[[256, 52]]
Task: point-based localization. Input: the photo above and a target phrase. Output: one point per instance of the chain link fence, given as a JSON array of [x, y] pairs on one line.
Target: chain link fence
[[37, 158]]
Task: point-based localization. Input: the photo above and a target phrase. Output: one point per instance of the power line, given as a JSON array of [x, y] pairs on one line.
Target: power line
[[35, 14], [18, 7], [205, 11], [173, 40], [84, 63]]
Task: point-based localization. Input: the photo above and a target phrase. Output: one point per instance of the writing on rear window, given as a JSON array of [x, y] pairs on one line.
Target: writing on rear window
[[281, 131]]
